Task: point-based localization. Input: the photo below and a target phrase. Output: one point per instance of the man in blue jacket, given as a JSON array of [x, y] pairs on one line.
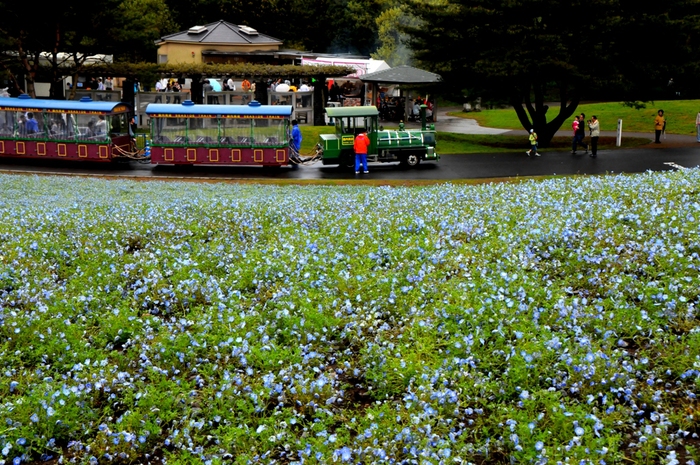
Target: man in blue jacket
[[295, 143], [32, 125]]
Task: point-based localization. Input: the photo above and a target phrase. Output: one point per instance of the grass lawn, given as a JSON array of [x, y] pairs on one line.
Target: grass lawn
[[680, 116], [452, 143]]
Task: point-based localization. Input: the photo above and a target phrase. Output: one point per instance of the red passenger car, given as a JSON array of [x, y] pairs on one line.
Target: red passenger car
[[252, 134], [63, 129]]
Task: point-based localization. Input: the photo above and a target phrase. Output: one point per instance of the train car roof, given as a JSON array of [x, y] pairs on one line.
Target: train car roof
[[25, 102], [339, 112], [187, 107]]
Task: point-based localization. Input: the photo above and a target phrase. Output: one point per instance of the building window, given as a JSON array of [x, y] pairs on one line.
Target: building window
[[162, 58]]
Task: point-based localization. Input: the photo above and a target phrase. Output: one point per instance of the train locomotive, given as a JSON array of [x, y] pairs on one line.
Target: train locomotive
[[407, 146]]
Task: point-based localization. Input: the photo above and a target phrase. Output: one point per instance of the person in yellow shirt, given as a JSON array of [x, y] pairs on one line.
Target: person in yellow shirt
[[659, 125], [533, 144]]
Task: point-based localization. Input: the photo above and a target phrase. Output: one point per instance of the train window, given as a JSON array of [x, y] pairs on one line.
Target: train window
[[269, 131], [29, 125], [118, 123], [60, 125], [169, 130], [92, 127], [7, 123], [235, 131], [203, 131]]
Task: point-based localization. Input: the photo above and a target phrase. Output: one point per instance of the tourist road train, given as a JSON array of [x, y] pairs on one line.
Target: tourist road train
[[189, 134]]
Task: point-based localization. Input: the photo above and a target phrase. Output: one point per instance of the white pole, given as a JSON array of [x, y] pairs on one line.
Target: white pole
[[619, 133]]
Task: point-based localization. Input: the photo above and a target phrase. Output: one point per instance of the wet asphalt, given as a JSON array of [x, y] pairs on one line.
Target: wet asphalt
[[450, 167]]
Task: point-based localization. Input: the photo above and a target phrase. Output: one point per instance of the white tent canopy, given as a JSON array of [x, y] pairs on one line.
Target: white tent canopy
[[362, 66]]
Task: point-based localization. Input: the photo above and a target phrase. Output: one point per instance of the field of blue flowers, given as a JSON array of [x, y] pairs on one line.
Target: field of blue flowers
[[537, 322]]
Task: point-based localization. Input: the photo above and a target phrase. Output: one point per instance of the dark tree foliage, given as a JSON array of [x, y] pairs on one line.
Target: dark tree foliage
[[127, 30], [30, 33], [527, 51], [343, 26]]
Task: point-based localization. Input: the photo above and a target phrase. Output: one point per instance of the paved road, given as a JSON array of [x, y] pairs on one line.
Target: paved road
[[450, 167]]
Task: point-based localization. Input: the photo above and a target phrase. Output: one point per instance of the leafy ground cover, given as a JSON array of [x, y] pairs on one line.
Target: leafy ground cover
[[680, 116], [537, 322]]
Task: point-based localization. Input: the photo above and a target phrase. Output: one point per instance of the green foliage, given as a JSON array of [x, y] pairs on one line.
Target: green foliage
[[680, 116], [338, 26], [522, 50], [511, 322], [392, 40], [136, 26], [199, 69]]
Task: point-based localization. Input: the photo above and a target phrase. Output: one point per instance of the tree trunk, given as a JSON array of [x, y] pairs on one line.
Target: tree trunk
[[128, 95], [56, 91], [30, 64], [197, 89], [320, 96], [534, 116]]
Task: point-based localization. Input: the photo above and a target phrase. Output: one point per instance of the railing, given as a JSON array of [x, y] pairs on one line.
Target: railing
[[229, 97], [99, 95], [302, 102], [144, 98]]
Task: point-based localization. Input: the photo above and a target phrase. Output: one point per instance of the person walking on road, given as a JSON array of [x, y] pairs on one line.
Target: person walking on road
[[361, 146], [533, 144], [697, 126], [594, 127], [659, 125], [579, 133], [582, 129]]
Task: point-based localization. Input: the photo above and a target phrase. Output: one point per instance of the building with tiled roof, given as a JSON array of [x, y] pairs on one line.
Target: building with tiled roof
[[219, 42]]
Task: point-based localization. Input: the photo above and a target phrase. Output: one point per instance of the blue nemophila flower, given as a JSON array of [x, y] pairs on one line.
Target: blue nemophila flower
[[207, 314], [344, 453]]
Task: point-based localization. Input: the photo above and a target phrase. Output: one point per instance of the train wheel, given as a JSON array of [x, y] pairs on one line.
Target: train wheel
[[410, 161], [347, 161]]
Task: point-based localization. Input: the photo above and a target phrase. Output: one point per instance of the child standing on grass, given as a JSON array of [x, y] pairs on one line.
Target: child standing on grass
[[533, 144]]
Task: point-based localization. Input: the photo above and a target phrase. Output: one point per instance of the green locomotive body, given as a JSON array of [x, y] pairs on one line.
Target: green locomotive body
[[407, 146]]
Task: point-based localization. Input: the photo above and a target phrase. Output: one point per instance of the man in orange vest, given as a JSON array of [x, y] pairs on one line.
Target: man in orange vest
[[361, 146]]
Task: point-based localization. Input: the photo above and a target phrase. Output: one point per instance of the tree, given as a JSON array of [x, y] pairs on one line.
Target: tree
[[529, 50], [132, 28], [316, 25], [24, 41], [392, 40]]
